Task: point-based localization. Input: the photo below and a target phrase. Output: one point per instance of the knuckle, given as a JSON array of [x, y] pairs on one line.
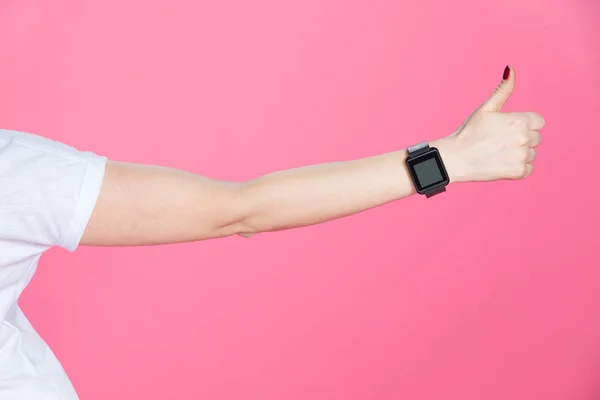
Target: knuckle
[[528, 170], [519, 125], [532, 155], [541, 120], [522, 154], [523, 137], [516, 121], [536, 120], [518, 171], [534, 139], [522, 171]]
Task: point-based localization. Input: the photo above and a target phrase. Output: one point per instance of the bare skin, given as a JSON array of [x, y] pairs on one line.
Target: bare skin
[[149, 205]]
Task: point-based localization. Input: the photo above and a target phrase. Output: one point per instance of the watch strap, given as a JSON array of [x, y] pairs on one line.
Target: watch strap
[[418, 149], [433, 192]]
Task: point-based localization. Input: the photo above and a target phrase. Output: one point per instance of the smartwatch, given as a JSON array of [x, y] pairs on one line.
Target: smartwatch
[[427, 169]]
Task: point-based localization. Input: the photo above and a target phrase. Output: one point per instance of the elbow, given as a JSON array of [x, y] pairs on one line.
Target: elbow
[[247, 211], [243, 229], [246, 235], [246, 228]]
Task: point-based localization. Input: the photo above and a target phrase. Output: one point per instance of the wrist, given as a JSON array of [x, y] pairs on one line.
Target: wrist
[[450, 154]]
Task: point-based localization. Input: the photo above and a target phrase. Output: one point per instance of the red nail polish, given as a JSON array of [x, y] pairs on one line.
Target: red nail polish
[[506, 73]]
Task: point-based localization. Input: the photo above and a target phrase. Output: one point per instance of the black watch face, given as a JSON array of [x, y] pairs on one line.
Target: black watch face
[[428, 171]]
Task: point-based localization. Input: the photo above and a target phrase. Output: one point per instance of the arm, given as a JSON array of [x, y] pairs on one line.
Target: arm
[[145, 205]]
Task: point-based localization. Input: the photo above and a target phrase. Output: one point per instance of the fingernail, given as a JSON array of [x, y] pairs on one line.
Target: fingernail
[[506, 73]]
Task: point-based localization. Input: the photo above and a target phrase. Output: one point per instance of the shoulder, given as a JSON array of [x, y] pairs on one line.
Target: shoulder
[[30, 143]]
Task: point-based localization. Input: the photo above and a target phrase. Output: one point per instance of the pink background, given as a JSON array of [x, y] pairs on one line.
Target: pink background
[[507, 303]]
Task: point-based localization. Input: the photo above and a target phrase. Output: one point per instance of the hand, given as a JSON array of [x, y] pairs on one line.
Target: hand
[[492, 145]]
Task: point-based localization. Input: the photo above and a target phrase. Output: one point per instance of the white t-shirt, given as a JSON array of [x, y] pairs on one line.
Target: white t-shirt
[[47, 194]]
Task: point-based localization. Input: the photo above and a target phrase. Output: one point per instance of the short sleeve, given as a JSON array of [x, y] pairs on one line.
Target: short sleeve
[[48, 190]]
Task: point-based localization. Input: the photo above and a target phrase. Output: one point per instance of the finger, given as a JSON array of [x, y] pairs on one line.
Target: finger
[[528, 170], [531, 154], [503, 91], [534, 138], [534, 121]]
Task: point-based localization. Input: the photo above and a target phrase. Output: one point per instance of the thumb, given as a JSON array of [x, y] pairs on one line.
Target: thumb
[[503, 92]]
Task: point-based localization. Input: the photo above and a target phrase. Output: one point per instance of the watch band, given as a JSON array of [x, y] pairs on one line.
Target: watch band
[[433, 192], [420, 149]]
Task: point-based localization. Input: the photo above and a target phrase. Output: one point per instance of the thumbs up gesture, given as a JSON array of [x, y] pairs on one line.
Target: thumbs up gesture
[[492, 145]]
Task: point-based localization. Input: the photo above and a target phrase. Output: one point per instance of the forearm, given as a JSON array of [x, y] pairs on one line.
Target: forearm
[[319, 193]]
